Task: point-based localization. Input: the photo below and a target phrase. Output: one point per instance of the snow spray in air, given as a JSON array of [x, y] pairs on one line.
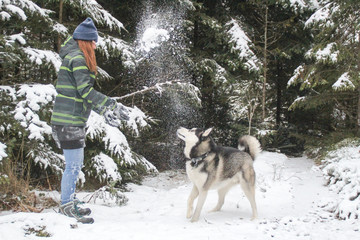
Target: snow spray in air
[[161, 49]]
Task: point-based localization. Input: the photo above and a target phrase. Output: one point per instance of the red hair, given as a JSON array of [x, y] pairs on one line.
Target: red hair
[[89, 53]]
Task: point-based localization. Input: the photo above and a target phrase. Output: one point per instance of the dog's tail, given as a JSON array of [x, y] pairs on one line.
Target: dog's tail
[[250, 145]]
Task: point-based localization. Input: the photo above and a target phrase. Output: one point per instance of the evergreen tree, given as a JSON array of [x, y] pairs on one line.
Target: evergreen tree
[[211, 66], [329, 78], [29, 66], [233, 38], [224, 60]]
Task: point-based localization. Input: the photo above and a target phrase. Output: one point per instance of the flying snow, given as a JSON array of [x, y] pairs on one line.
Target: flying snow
[[152, 38]]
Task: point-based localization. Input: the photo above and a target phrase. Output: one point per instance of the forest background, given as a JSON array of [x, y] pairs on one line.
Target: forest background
[[285, 71]]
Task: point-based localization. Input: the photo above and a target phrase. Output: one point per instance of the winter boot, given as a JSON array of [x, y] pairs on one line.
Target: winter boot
[[70, 209], [82, 211]]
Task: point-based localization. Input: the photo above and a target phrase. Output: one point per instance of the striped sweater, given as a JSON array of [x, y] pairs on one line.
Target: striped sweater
[[76, 96]]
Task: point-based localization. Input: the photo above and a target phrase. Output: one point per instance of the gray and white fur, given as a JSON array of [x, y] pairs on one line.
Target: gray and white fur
[[209, 166]]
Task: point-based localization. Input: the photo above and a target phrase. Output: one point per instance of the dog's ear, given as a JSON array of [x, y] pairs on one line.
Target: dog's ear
[[207, 132]]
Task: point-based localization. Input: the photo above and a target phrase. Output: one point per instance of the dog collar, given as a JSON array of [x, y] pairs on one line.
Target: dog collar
[[196, 161]]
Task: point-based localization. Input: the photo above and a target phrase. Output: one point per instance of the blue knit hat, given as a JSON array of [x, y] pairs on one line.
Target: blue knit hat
[[86, 31]]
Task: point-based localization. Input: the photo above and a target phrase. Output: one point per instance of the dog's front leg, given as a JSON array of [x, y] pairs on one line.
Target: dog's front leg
[[200, 204], [222, 193], [193, 195]]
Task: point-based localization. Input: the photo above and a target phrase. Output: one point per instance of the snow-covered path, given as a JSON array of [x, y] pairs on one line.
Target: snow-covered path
[[290, 193]]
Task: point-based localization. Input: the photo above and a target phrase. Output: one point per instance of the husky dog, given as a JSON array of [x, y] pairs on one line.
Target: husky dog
[[209, 166]]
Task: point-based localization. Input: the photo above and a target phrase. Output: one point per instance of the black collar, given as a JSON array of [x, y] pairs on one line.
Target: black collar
[[196, 161]]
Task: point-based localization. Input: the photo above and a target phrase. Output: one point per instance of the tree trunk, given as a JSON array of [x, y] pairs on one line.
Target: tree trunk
[[250, 119], [358, 113], [252, 109], [60, 21], [265, 64], [278, 94], [358, 105]]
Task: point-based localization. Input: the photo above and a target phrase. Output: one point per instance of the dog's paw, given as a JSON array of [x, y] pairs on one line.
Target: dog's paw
[[189, 213], [215, 209], [194, 220]]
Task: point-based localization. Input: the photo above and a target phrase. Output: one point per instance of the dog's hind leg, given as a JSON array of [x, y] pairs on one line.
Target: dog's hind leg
[[193, 195], [249, 190], [199, 205], [250, 194], [222, 193]]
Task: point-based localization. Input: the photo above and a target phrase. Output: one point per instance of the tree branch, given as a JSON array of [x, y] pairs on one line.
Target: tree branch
[[147, 89]]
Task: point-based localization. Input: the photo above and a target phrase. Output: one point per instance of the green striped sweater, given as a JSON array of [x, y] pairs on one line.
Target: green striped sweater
[[76, 96]]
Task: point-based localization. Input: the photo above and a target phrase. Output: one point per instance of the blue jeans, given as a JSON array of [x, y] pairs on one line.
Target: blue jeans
[[74, 159]]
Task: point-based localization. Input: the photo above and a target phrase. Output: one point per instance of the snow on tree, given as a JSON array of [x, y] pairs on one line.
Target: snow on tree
[[245, 101], [29, 56], [241, 45], [343, 83], [300, 5], [111, 46], [2, 151], [94, 10], [18, 8], [336, 48], [33, 99], [322, 16]]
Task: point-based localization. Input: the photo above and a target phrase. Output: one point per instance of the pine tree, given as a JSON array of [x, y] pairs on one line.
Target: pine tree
[[223, 58], [29, 64], [329, 79]]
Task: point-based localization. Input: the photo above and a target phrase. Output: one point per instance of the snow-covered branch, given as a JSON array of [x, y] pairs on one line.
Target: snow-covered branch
[[98, 14], [156, 87]]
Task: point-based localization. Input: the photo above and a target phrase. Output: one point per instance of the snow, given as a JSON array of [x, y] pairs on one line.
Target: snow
[[60, 28], [2, 151], [189, 5], [343, 82], [36, 97], [290, 198], [5, 16], [322, 15], [31, 100], [48, 158], [137, 118], [18, 7], [9, 90], [298, 100], [110, 44], [158, 25], [38, 56], [16, 37], [106, 167], [116, 141], [152, 38], [325, 54], [297, 73], [242, 46], [100, 15], [343, 175], [301, 5], [16, 10]]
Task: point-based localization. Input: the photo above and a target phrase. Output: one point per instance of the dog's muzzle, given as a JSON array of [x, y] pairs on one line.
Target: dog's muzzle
[[180, 135]]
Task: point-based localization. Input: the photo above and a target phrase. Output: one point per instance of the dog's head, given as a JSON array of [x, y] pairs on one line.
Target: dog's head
[[196, 141]]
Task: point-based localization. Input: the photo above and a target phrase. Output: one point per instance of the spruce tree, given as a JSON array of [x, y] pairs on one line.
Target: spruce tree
[[329, 78], [29, 40]]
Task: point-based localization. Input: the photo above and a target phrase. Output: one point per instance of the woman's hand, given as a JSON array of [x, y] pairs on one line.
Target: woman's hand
[[111, 119], [121, 112]]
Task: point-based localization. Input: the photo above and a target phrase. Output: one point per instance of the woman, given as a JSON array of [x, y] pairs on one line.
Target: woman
[[73, 104]]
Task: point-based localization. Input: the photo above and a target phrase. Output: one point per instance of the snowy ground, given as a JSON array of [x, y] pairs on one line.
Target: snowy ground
[[290, 196]]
